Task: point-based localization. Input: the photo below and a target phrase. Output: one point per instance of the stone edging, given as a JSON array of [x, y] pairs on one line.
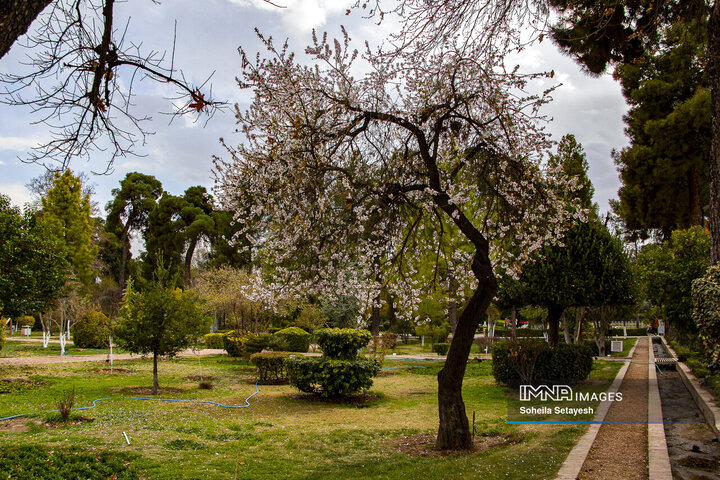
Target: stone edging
[[658, 458], [702, 396], [572, 465]]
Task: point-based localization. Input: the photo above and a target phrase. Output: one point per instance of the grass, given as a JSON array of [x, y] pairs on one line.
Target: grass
[[278, 436], [628, 343], [19, 348]]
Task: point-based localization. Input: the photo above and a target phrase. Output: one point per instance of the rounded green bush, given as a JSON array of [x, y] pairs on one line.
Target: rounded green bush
[[331, 377], [295, 339], [441, 348], [342, 343], [26, 321], [92, 331]]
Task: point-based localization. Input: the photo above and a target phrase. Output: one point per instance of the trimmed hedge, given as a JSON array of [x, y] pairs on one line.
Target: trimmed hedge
[[214, 340], [342, 343], [529, 360], [331, 377], [295, 339], [92, 331], [519, 332], [441, 348], [271, 366], [632, 332]]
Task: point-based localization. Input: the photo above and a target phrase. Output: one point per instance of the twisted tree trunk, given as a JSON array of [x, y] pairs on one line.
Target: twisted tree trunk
[[454, 430]]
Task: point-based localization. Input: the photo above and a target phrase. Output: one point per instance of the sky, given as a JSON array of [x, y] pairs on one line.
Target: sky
[[179, 154]]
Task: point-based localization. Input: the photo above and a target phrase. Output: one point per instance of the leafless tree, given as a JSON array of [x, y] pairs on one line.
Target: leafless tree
[[76, 58]]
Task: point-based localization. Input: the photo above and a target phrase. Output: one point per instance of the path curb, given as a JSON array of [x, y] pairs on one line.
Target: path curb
[[575, 460], [702, 396], [658, 457]]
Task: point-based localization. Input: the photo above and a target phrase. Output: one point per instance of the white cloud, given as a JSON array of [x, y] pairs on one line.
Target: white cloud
[[300, 15], [20, 144], [18, 193]]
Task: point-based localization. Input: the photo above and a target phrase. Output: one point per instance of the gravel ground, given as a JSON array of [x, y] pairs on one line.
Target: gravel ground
[[620, 451]]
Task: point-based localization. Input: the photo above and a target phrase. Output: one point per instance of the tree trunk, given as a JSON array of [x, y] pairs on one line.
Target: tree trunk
[[452, 304], [566, 330], [694, 194], [155, 375], [375, 321], [15, 19], [187, 272], [713, 52], [553, 320], [454, 430], [579, 314], [513, 322], [125, 240]]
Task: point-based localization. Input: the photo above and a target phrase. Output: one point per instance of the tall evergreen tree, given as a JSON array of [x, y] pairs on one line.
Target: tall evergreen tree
[[127, 213], [66, 212], [664, 170]]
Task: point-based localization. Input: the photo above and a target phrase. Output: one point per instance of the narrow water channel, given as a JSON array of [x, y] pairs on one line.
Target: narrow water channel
[[694, 450]]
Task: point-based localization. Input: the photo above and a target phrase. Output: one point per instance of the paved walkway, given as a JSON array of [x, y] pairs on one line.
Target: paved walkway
[[620, 450]]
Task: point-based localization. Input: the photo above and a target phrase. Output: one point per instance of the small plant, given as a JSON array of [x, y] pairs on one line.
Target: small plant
[[65, 404], [206, 385], [441, 348], [342, 343]]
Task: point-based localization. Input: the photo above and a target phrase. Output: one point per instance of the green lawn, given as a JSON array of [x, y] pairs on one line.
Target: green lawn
[[278, 436], [19, 348]]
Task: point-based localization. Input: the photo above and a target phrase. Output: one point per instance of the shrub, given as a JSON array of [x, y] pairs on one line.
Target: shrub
[[271, 366], [706, 313], [26, 321], [92, 331], [234, 344], [296, 339], [66, 403], [632, 332], [441, 348], [529, 360], [683, 353], [389, 340], [331, 377], [214, 340], [264, 341], [342, 343]]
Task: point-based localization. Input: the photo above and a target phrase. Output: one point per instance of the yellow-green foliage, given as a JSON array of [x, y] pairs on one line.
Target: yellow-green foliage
[[214, 340], [26, 321]]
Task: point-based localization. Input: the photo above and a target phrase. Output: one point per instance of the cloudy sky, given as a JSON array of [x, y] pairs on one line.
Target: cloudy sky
[[208, 35]]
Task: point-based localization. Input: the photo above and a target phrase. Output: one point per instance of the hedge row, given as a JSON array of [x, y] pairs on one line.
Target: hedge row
[[239, 344], [529, 360], [632, 332]]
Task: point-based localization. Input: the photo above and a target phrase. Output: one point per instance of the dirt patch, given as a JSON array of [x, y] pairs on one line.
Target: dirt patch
[[147, 390], [73, 421], [358, 400], [115, 371], [198, 378], [18, 425], [423, 445], [10, 385]]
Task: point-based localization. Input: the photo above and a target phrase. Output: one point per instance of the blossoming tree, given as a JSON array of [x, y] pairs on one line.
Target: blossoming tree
[[346, 157]]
